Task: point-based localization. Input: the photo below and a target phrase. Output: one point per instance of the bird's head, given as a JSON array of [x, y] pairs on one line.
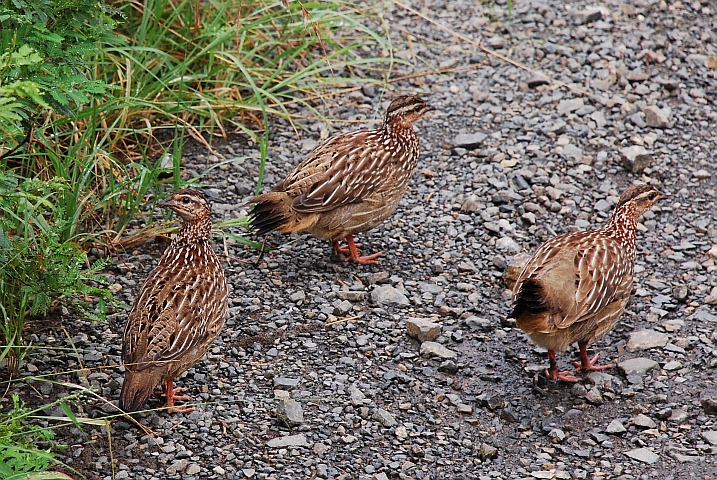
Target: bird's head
[[406, 109], [188, 203], [639, 199]]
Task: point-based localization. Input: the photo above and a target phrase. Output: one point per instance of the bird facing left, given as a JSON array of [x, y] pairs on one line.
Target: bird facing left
[[179, 311]]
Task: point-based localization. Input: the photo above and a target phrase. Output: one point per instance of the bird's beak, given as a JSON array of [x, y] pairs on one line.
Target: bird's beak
[[166, 203], [429, 108]]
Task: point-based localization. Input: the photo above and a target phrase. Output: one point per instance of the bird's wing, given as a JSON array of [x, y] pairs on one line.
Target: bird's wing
[[600, 273], [341, 171], [168, 320]]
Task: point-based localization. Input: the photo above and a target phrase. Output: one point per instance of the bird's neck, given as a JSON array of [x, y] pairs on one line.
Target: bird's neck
[[397, 128], [199, 230], [623, 225]]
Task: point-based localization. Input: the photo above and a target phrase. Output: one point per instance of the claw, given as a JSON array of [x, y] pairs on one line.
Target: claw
[[351, 250]]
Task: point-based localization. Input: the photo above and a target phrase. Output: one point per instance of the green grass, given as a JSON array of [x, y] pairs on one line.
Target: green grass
[[93, 98]]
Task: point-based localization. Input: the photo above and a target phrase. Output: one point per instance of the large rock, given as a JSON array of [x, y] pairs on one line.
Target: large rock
[[635, 158], [388, 295], [637, 366], [298, 440], [644, 455], [469, 140], [422, 329], [433, 349], [289, 412], [657, 117], [646, 339]]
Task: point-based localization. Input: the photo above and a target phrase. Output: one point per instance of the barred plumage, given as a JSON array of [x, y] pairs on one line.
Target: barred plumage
[[179, 311], [575, 287], [349, 184]]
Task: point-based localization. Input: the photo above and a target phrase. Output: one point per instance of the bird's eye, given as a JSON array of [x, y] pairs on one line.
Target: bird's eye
[[185, 200], [652, 196], [417, 108]]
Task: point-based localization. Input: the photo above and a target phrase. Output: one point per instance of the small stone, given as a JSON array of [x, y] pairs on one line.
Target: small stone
[[249, 472], [193, 469], [401, 432], [672, 365], [389, 295], [643, 421], [646, 339], [289, 412], [571, 152], [678, 415], [710, 437], [433, 349], [384, 418], [422, 329], [297, 296], [570, 105], [637, 75], [298, 440], [657, 117], [515, 266], [320, 448], [487, 451], [285, 383], [637, 366], [536, 81], [644, 455], [711, 299], [477, 324], [357, 396], [469, 141], [616, 428], [708, 400], [557, 435], [448, 366], [589, 15], [635, 158], [594, 397], [680, 293], [491, 400]]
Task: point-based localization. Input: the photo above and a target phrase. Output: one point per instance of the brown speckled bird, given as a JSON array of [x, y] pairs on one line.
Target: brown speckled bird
[[349, 184], [179, 311], [575, 287]]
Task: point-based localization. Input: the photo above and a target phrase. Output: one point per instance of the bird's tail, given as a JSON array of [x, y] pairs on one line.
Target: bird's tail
[[271, 212], [530, 299], [137, 388]]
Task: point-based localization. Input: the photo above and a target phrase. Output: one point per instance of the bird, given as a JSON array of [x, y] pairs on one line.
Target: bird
[[179, 311], [349, 184], [575, 286]]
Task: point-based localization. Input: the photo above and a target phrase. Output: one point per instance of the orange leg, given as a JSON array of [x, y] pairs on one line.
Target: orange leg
[[586, 363], [554, 374], [170, 395], [351, 250]]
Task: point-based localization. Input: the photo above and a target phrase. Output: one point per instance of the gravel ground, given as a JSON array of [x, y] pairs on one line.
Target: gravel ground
[[315, 376]]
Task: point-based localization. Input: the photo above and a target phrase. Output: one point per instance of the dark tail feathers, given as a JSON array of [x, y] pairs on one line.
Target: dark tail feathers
[[267, 215], [530, 299]]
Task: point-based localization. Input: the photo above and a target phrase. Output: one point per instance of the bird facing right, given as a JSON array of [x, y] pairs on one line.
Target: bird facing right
[[576, 286], [349, 184]]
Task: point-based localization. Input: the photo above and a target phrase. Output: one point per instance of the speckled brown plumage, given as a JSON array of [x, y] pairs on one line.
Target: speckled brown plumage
[[348, 184], [575, 287], [179, 311]]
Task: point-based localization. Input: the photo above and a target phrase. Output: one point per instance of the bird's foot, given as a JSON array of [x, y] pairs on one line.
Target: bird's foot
[[352, 255], [170, 396], [364, 260], [588, 365], [557, 375]]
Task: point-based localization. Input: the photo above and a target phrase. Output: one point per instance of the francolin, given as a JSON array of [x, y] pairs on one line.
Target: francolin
[[179, 311], [349, 184], [575, 287]]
